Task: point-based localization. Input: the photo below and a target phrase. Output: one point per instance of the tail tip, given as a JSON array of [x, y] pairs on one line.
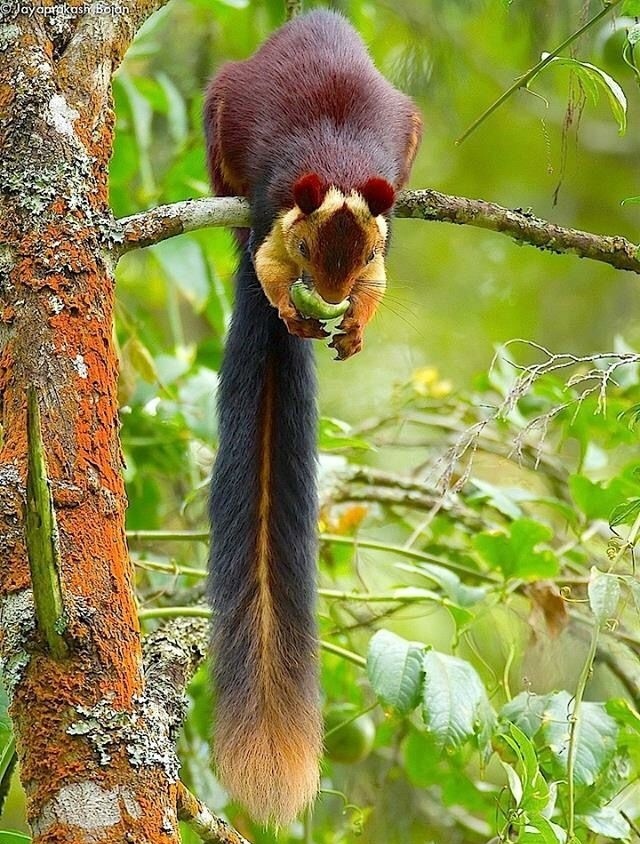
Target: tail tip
[[273, 777]]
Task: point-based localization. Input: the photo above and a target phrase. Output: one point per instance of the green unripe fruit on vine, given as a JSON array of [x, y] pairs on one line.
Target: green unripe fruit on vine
[[352, 742]]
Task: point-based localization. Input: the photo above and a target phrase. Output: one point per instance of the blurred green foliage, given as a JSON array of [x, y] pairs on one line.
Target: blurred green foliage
[[506, 658]]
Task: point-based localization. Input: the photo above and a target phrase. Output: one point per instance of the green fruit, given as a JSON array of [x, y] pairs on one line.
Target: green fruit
[[310, 304], [352, 742]]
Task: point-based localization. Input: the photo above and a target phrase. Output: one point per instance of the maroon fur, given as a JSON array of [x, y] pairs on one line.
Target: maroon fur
[[310, 101], [308, 192], [379, 195]]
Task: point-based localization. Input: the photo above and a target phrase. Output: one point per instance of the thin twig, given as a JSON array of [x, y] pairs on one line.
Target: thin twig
[[292, 8], [523, 81], [205, 613], [583, 679], [574, 720], [457, 461], [337, 539]]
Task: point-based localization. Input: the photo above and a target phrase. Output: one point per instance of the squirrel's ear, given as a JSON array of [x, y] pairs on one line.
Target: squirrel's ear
[[309, 192], [379, 195]]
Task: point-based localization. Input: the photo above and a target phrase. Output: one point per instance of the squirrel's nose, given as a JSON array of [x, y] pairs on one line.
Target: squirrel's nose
[[331, 297], [333, 294], [329, 294]]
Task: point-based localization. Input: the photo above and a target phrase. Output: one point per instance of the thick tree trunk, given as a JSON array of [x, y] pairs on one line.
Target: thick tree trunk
[[95, 749]]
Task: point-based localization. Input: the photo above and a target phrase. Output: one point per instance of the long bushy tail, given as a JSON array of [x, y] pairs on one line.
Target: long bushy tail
[[262, 569]]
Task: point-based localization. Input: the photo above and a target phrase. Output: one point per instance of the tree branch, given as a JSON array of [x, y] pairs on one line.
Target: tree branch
[[522, 225], [172, 655], [208, 827], [361, 483], [110, 31], [166, 221], [100, 40]]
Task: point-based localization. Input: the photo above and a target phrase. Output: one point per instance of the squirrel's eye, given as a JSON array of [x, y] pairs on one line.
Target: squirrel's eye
[[372, 256], [303, 248]]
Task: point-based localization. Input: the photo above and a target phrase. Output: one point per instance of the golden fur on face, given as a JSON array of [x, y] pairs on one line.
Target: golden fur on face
[[337, 245]]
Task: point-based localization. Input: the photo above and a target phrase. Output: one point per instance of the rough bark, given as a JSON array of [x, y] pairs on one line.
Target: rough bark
[[94, 764]]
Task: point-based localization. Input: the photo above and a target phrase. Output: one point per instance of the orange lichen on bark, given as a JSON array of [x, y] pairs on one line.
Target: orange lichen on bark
[[58, 310]]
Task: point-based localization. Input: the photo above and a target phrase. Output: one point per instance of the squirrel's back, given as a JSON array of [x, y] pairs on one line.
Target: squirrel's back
[[309, 100]]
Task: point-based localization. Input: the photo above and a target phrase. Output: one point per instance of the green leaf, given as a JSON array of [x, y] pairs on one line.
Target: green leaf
[[597, 500], [604, 594], [504, 499], [594, 79], [539, 830], [596, 735], [626, 512], [515, 554], [183, 261], [141, 117], [526, 711], [334, 434], [197, 400], [187, 835], [136, 355], [152, 92], [449, 583], [624, 713], [13, 837], [526, 751], [630, 7], [421, 757], [514, 782], [606, 821], [394, 666], [455, 706], [176, 110], [536, 795]]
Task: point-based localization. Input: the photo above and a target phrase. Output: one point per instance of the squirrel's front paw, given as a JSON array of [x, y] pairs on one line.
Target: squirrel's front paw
[[310, 329], [347, 344]]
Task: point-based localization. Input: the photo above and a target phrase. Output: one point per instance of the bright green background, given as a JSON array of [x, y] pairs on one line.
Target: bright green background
[[454, 293]]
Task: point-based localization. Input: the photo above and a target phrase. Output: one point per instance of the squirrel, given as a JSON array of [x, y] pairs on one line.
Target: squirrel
[[319, 142]]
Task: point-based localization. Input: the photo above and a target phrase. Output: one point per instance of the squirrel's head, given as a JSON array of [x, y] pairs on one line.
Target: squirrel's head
[[334, 240], [337, 239]]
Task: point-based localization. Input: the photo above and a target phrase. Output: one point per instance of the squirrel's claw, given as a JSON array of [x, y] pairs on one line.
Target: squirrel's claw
[[346, 345], [310, 329]]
